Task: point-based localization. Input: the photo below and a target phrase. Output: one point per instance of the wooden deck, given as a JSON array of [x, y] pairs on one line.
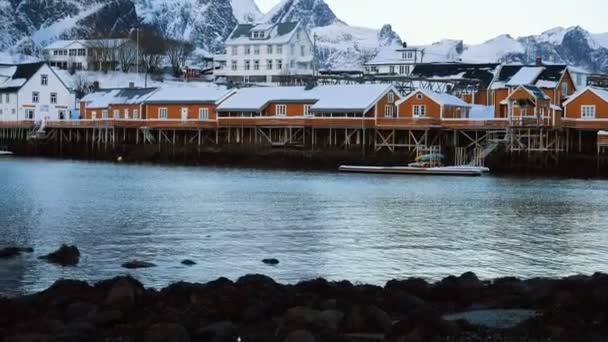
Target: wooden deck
[[585, 124], [312, 122], [17, 124], [475, 124]]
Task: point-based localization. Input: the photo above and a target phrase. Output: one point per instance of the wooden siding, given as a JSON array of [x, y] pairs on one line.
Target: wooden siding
[[588, 98], [406, 108], [500, 95], [174, 111], [293, 109]]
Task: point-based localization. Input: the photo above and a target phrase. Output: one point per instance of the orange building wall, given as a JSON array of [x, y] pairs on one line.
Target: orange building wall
[[481, 98], [433, 110], [499, 96], [573, 109], [293, 109], [131, 107], [381, 105], [174, 111]]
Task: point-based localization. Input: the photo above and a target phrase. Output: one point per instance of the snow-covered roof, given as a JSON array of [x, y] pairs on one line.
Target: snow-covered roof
[[189, 93], [441, 99], [555, 107], [21, 73], [546, 84], [599, 92], [105, 98], [64, 44], [13, 82], [480, 112], [388, 55], [525, 75], [532, 90], [280, 33], [334, 98]]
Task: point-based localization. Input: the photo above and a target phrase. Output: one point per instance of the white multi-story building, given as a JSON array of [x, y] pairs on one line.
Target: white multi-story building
[[264, 52], [33, 92], [94, 54], [395, 61]]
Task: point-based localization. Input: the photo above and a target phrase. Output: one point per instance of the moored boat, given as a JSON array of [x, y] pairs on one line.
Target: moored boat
[[412, 170]]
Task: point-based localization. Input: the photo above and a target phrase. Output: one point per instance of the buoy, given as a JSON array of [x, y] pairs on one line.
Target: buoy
[[119, 159]]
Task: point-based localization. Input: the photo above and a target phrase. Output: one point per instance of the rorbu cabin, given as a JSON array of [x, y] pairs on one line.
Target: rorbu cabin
[[115, 104], [425, 109], [186, 103], [528, 105], [554, 81], [587, 109]]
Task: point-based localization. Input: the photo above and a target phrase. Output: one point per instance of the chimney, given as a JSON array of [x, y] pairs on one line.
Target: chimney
[[96, 85], [539, 61], [404, 44], [131, 85]]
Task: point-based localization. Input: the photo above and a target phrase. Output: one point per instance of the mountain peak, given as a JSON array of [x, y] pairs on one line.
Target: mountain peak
[[246, 11], [310, 13]]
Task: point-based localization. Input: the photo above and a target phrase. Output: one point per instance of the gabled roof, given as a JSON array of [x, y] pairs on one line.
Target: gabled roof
[[512, 75], [454, 71], [599, 92], [441, 99], [334, 98], [106, 97], [279, 33], [22, 73], [189, 93], [533, 90]]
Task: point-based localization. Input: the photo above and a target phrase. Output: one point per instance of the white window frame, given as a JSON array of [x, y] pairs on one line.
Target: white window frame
[[404, 69], [53, 98], [269, 49], [44, 79], [256, 65], [565, 89], [116, 114], [104, 114], [35, 97], [302, 50], [163, 113], [588, 112], [307, 110], [247, 65], [247, 49], [419, 111], [256, 50], [281, 110], [235, 50], [30, 114], [389, 111], [279, 49], [93, 115], [203, 113], [126, 113], [391, 97], [136, 114], [234, 65], [419, 96], [269, 64], [279, 64]]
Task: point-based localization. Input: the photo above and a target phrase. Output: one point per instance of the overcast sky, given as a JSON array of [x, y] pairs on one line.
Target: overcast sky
[[475, 21]]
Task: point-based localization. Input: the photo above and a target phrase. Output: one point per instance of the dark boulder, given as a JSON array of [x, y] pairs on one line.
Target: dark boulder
[[80, 310], [64, 256], [10, 252], [188, 262], [135, 264], [224, 331], [271, 261], [167, 332], [300, 336], [123, 293]]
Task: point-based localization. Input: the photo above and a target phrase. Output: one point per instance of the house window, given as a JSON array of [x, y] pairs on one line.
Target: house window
[[292, 64], [234, 66], [126, 113], [293, 49], [419, 111], [307, 110], [279, 64], [269, 64], [248, 50], [54, 98], [256, 65], [116, 114], [407, 55], [588, 112], [61, 115], [269, 49], [564, 89], [235, 50], [162, 113], [419, 96], [391, 69], [203, 113], [8, 98], [247, 65], [303, 50], [35, 97], [280, 49], [44, 80], [281, 110], [104, 114], [389, 111], [135, 114], [82, 52], [256, 50], [29, 114], [404, 69], [391, 98], [93, 115]]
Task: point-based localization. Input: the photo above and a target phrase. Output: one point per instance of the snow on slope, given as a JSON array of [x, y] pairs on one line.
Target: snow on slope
[[47, 34], [246, 11], [492, 50]]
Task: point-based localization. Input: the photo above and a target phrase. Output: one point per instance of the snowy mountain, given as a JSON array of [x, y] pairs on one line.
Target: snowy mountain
[[246, 11], [574, 46]]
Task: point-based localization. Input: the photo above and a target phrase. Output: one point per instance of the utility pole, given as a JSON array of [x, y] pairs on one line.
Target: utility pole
[[314, 55], [138, 50]]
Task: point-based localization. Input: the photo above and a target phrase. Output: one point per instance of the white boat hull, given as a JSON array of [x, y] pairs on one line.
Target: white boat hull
[[437, 171], [6, 153]]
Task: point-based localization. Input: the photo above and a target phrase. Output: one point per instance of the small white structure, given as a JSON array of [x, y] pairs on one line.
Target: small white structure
[[395, 61], [33, 92], [261, 52], [93, 54]]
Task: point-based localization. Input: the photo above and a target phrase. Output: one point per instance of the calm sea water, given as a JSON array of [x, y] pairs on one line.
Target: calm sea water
[[363, 228]]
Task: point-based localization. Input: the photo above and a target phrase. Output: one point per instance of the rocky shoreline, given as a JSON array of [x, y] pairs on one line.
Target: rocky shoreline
[[256, 308]]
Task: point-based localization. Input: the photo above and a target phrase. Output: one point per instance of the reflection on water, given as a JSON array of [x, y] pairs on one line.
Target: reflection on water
[[358, 227]]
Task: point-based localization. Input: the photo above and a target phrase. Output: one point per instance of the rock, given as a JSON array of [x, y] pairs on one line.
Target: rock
[[134, 264], [64, 256], [122, 295], [369, 319], [188, 262], [495, 319], [469, 280], [28, 338], [379, 319], [271, 261], [105, 317], [80, 310], [78, 331], [224, 331], [10, 252], [300, 336], [424, 324], [330, 320], [300, 317], [166, 332]]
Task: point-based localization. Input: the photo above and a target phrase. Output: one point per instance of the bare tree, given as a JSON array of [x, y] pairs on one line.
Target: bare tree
[[178, 52], [127, 56], [152, 49]]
